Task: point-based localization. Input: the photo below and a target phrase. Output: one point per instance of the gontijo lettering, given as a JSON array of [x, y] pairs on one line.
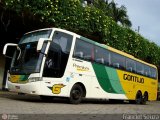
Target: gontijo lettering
[[133, 78]]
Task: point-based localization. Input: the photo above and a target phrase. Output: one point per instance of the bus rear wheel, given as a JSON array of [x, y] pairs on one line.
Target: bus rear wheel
[[145, 98], [76, 94], [138, 99]]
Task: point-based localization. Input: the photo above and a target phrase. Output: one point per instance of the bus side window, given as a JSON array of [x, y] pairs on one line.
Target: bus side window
[[153, 73], [100, 60], [130, 65], [102, 56], [116, 65], [140, 68], [78, 54], [129, 69], [147, 71], [118, 61], [83, 50]]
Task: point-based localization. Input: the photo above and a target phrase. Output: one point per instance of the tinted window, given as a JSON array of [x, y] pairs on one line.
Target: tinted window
[[102, 56], [139, 68], [58, 54], [117, 61], [63, 40], [29, 61], [84, 50], [147, 71], [153, 73], [35, 36], [130, 65]]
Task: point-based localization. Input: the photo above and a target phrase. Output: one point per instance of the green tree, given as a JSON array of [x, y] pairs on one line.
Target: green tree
[[119, 14], [91, 21]]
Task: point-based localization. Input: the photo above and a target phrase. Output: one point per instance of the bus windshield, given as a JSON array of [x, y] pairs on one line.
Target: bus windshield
[[30, 59], [34, 36]]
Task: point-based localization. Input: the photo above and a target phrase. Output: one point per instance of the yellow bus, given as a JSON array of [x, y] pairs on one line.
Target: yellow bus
[[54, 62]]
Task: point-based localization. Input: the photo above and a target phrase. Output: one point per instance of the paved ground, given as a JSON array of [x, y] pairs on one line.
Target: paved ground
[[11, 103]]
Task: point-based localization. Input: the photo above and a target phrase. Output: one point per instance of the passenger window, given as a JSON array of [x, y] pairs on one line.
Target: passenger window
[[153, 73], [102, 56], [83, 50], [130, 65], [117, 61], [63, 40], [140, 68], [147, 71]]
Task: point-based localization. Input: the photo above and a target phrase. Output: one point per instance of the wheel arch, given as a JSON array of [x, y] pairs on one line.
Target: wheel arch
[[139, 91], [83, 87], [138, 94]]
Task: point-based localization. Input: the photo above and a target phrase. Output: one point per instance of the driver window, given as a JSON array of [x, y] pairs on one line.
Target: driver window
[[52, 64], [58, 54]]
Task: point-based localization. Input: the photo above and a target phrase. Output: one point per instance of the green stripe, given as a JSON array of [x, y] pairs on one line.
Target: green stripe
[[23, 77], [114, 79], [108, 79], [103, 78]]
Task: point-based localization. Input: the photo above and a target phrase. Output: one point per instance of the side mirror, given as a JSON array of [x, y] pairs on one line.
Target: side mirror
[[40, 43], [11, 44], [6, 46]]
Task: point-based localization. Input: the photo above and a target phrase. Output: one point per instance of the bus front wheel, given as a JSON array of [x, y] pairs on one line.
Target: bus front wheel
[[76, 94]]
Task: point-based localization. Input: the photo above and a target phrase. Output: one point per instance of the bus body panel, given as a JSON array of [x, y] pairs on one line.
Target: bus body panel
[[100, 81], [132, 83]]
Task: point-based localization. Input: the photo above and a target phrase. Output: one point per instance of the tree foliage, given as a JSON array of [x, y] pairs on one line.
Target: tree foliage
[[91, 21], [119, 14]]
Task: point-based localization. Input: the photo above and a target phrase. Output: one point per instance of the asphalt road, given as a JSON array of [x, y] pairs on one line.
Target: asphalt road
[[13, 104]]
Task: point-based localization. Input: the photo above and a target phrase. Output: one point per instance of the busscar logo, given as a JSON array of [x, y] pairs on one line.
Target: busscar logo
[[133, 78], [56, 89], [80, 68]]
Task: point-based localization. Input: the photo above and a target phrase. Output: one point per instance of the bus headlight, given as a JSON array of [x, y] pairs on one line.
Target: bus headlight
[[35, 79]]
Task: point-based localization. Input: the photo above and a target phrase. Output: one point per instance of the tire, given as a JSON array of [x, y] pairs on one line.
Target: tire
[[76, 94], [138, 99], [46, 98], [145, 98]]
